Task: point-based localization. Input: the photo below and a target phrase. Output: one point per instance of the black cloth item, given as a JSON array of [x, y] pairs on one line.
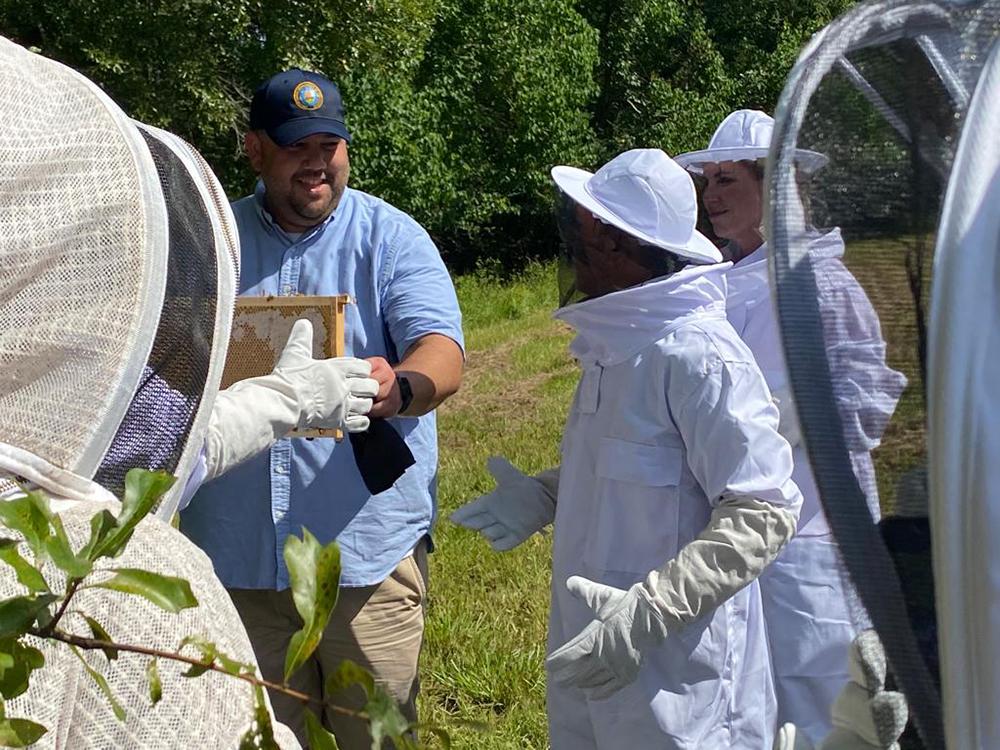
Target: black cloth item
[[381, 455]]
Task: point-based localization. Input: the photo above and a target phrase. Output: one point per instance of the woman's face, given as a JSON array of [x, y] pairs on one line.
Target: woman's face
[[734, 202]]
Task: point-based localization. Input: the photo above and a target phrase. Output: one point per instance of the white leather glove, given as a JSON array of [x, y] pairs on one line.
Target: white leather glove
[[865, 715], [743, 536], [518, 507], [788, 418], [790, 738], [301, 392], [605, 656]]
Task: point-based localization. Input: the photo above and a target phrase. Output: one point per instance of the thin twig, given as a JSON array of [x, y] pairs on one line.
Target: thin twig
[[94, 644], [50, 629]]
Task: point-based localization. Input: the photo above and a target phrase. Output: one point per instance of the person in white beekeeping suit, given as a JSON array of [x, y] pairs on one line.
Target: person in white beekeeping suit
[[675, 488], [116, 301], [806, 601]]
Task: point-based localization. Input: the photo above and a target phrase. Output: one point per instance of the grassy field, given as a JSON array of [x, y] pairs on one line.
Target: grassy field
[[485, 646]]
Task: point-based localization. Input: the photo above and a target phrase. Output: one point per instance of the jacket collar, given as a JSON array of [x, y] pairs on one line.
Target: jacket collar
[[748, 277], [615, 326]]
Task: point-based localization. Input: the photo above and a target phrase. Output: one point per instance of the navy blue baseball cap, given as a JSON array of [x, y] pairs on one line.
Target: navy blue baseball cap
[[295, 104]]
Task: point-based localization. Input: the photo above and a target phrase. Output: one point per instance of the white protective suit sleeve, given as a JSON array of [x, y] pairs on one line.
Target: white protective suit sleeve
[[865, 715], [301, 392], [518, 507], [729, 426], [788, 419], [865, 387]]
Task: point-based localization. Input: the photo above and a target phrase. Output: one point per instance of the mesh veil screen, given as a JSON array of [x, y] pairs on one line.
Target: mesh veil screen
[[155, 429], [74, 281], [882, 95]]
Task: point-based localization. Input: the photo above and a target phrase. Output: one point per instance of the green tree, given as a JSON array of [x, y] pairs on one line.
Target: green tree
[[458, 108]]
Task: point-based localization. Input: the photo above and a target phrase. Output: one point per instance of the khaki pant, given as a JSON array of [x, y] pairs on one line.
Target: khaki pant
[[379, 627]]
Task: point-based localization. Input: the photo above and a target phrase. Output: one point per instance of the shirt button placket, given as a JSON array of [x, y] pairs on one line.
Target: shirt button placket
[[281, 457], [289, 272]]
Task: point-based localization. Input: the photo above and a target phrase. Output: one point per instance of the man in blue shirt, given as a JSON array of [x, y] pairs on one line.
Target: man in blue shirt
[[304, 231]]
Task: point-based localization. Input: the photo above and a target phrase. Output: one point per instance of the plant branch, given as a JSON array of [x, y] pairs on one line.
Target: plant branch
[[95, 644], [49, 630]]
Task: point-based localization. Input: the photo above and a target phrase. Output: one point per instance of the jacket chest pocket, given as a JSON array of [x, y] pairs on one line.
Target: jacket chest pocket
[[635, 526]]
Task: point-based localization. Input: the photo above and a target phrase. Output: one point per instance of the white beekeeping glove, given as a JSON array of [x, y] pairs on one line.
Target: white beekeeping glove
[[518, 507], [865, 715], [790, 738], [302, 392], [743, 536]]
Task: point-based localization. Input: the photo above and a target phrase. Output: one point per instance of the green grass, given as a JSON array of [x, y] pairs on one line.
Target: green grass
[[484, 652], [483, 659]]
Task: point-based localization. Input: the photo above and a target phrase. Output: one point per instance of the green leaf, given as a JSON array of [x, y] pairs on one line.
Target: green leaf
[[347, 674], [102, 635], [155, 684], [314, 573], [61, 552], [20, 732], [211, 655], [17, 614], [166, 592], [102, 684], [208, 653], [386, 720], [27, 574], [29, 516], [142, 489], [260, 735], [18, 662], [316, 734], [101, 525]]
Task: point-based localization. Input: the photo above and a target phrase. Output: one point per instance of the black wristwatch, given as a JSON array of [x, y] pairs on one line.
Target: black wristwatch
[[405, 393]]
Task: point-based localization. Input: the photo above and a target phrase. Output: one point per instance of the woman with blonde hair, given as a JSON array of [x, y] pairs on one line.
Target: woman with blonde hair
[[805, 593]]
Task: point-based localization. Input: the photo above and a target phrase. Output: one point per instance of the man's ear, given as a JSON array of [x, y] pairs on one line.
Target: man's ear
[[253, 147]]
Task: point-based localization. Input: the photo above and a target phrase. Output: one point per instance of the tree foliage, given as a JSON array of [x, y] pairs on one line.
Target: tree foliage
[[458, 107]]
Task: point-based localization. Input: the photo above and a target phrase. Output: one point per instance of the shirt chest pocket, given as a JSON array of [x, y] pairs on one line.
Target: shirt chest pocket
[[635, 526]]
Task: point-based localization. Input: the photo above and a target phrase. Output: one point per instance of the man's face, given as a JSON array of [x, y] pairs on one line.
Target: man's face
[[303, 181], [602, 265]]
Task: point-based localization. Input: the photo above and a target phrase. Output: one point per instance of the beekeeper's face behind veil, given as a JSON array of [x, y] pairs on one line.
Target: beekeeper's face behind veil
[[626, 224]]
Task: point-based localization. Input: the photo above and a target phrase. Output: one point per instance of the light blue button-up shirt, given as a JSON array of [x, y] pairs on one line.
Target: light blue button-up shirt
[[391, 268]]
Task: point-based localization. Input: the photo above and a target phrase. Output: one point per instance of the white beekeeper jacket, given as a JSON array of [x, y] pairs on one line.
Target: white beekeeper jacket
[[866, 388], [805, 594], [671, 418]]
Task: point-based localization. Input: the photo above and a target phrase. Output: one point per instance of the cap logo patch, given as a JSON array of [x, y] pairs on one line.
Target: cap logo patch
[[307, 96]]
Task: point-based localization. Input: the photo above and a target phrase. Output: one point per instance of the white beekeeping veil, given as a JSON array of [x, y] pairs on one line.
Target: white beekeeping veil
[[118, 266], [963, 437], [118, 258], [888, 92]]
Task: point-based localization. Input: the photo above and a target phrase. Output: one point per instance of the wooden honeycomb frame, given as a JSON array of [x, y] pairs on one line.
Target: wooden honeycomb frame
[[261, 326]]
